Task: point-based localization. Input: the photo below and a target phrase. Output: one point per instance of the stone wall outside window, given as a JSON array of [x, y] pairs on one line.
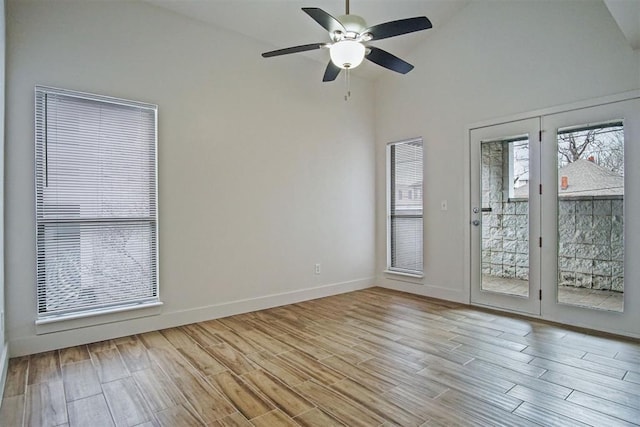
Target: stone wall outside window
[[590, 244]]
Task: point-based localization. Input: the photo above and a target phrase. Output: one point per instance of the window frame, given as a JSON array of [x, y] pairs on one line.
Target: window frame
[[389, 215], [81, 317]]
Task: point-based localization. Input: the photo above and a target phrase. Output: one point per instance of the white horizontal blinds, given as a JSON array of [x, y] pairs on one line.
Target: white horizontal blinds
[[95, 202], [406, 206], [100, 160]]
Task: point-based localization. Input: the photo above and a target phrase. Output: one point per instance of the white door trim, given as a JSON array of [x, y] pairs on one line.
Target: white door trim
[[501, 132], [511, 118]]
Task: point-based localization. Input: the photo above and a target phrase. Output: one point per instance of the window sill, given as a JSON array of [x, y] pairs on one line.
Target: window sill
[[98, 317], [402, 273]]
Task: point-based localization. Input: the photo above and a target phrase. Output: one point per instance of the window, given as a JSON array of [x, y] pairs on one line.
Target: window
[[517, 150], [96, 214], [405, 215]]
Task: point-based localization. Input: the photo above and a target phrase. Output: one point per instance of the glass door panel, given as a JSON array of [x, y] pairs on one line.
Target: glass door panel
[[504, 259], [591, 215], [505, 216], [590, 228]]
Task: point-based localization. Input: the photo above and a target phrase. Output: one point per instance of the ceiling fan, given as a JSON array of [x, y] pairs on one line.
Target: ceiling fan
[[349, 41]]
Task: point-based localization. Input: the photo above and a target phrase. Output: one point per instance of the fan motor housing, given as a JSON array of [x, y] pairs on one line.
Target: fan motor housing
[[352, 23]]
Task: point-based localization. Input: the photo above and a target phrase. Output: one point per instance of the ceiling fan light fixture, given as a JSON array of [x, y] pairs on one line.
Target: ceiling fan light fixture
[[347, 53]]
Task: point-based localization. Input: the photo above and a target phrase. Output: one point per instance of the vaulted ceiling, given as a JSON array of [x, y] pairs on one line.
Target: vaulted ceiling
[[281, 23]]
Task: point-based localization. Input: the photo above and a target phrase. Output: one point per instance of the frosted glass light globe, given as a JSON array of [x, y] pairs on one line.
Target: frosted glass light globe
[[347, 53]]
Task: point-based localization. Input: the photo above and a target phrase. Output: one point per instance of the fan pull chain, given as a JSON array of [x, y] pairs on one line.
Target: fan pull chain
[[348, 81]]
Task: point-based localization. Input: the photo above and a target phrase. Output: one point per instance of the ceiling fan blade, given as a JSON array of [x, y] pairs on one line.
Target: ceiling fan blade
[[387, 60], [397, 28], [327, 21], [331, 72], [294, 49]]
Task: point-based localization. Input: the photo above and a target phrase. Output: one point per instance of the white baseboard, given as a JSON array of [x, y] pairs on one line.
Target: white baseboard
[[413, 287], [39, 343], [4, 366]]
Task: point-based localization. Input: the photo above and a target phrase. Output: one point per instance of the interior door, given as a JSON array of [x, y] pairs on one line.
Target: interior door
[[505, 217], [591, 225]]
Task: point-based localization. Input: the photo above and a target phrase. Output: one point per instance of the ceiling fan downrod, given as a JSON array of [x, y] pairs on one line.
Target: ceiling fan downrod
[[347, 94], [346, 7]]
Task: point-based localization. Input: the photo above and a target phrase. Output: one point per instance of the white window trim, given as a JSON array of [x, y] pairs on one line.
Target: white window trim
[[97, 317], [390, 269], [125, 311], [405, 274]]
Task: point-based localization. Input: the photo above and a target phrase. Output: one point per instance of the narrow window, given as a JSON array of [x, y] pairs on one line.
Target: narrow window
[[96, 215], [405, 215]]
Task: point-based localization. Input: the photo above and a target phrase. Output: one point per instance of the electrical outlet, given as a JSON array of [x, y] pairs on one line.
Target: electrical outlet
[[317, 269]]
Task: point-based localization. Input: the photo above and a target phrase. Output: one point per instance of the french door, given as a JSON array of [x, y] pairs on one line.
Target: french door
[[554, 223], [505, 204]]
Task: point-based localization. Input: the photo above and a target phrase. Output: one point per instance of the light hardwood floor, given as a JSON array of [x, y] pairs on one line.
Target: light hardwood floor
[[368, 358]]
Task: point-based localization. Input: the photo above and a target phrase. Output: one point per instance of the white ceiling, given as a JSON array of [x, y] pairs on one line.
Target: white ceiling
[[627, 15], [282, 23]]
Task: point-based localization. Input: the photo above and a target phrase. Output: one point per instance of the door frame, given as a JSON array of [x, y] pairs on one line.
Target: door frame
[[468, 202], [478, 136], [628, 321]]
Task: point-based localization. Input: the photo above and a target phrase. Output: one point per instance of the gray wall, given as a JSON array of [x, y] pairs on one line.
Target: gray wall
[[494, 59], [263, 169]]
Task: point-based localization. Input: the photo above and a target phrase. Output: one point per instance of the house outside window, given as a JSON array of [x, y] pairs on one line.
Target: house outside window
[[404, 216]]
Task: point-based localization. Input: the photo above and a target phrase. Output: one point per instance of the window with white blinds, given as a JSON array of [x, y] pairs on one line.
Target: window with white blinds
[[405, 206], [96, 198]]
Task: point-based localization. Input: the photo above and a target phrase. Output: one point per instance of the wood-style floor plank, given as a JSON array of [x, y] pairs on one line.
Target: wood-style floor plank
[[339, 406], [90, 411], [311, 367], [208, 403], [44, 367], [631, 414], [80, 380], [126, 403], [283, 397], [159, 391], [178, 416], [482, 408], [566, 408], [202, 360], [203, 335], [45, 404], [550, 388], [374, 357], [587, 386], [233, 420], [545, 417], [134, 355], [231, 358], [376, 404], [279, 368], [109, 365], [12, 411], [74, 354], [274, 418], [265, 342], [16, 382], [246, 400], [317, 418]]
